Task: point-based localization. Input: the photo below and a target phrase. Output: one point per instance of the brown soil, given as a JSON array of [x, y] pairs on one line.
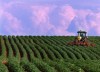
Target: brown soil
[[4, 62]]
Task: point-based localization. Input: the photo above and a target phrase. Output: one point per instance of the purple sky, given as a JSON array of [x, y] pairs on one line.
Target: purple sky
[[49, 17]]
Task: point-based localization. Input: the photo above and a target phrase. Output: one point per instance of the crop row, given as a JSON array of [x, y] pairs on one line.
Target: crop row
[[40, 53], [43, 48]]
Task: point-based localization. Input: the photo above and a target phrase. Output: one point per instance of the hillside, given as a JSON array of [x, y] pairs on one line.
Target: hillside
[[47, 54]]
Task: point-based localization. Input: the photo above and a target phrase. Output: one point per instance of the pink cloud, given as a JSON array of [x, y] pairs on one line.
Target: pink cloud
[[83, 12], [1, 12], [41, 13], [96, 22], [11, 4], [81, 21], [88, 24], [13, 25], [12, 20], [67, 14], [41, 18], [61, 31]]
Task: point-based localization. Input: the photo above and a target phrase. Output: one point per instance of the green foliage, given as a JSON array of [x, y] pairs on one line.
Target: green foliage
[[48, 51], [14, 65], [58, 66], [14, 47], [3, 68], [44, 67], [88, 65], [47, 54], [8, 47], [29, 67], [42, 52], [3, 48]]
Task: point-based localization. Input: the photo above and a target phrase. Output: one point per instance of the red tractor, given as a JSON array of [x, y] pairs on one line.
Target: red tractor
[[81, 39]]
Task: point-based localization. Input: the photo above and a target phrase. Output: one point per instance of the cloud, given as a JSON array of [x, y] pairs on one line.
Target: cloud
[[95, 21], [88, 20], [81, 21], [84, 19], [41, 16], [12, 24], [61, 32], [67, 14], [41, 13], [1, 12], [41, 19]]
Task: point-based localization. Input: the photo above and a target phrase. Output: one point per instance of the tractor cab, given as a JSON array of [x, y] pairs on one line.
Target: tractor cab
[[82, 34]]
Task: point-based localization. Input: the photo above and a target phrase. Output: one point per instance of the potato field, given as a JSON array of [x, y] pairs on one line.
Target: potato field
[[47, 54]]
